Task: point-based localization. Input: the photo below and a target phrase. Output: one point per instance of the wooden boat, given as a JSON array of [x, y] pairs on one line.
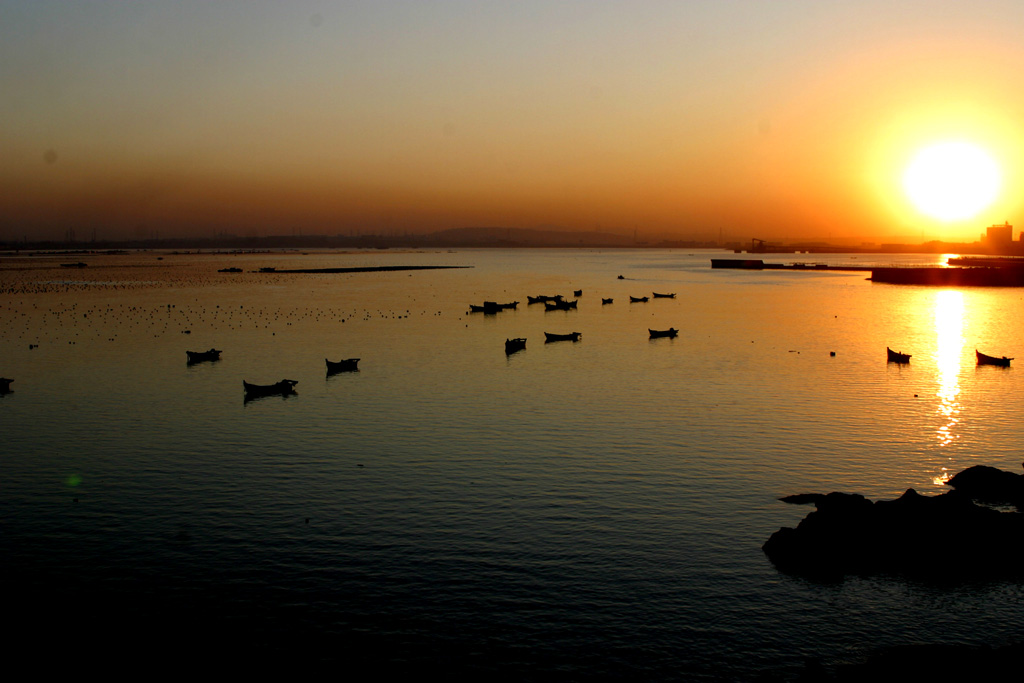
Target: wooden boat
[[896, 356], [345, 365], [492, 307], [230, 270], [283, 388], [572, 336], [992, 360], [542, 299], [670, 332], [78, 264], [488, 307], [5, 385], [577, 292], [560, 305], [664, 296], [606, 301], [268, 269], [513, 345], [637, 299], [200, 356]]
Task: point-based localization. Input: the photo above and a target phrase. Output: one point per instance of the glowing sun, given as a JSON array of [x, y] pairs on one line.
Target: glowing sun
[[952, 180]]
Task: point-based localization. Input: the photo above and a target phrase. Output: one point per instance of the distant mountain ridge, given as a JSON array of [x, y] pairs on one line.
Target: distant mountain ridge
[[495, 236]]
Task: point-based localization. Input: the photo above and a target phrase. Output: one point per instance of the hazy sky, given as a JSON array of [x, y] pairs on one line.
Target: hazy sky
[[749, 119]]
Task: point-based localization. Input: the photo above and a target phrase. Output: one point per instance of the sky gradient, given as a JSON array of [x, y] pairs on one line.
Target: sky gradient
[[689, 119]]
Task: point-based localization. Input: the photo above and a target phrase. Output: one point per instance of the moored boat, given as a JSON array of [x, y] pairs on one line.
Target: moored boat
[[513, 345], [200, 356], [664, 296], [5, 385], [896, 356], [577, 292], [491, 307], [606, 301], [540, 299], [345, 365], [230, 270], [984, 359], [560, 305], [670, 332], [572, 336], [284, 387], [637, 299]]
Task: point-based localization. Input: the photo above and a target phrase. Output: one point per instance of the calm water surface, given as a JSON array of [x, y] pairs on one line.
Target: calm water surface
[[573, 511]]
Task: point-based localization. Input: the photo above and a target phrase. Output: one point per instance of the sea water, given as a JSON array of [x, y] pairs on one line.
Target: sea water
[[571, 511]]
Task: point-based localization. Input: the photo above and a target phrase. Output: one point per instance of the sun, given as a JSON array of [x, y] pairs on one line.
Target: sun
[[952, 180]]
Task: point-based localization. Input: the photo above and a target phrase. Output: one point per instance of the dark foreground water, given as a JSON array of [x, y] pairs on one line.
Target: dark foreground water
[[574, 511]]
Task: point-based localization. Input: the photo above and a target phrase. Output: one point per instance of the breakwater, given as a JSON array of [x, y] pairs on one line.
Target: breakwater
[[937, 276], [950, 277]]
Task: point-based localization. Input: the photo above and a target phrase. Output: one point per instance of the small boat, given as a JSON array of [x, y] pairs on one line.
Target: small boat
[[5, 385], [283, 388], [992, 360], [577, 292], [637, 299], [621, 278], [200, 356], [664, 296], [560, 305], [606, 301], [346, 365], [896, 356], [513, 345], [542, 299], [572, 336], [79, 264], [492, 307], [268, 269], [670, 332], [230, 270]]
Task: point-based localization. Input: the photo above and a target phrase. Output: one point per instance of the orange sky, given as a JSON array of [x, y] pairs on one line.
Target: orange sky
[[783, 119]]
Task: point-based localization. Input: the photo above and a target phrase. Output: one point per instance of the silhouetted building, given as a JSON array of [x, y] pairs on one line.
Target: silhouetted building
[[998, 236]]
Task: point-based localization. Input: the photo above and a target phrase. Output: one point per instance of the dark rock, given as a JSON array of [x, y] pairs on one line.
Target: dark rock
[[948, 536], [803, 498], [990, 485]]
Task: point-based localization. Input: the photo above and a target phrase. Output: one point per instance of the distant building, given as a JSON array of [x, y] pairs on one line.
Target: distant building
[[999, 235]]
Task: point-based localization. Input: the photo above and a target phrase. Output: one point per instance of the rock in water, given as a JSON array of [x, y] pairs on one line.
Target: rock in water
[[948, 536]]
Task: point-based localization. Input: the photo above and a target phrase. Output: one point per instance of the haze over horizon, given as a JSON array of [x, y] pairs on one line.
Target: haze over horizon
[[699, 120]]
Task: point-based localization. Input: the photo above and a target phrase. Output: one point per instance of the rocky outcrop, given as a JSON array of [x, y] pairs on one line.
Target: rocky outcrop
[[945, 536], [990, 485]]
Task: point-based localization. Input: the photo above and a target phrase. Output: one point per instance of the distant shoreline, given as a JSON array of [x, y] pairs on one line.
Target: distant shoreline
[[364, 269], [384, 245]]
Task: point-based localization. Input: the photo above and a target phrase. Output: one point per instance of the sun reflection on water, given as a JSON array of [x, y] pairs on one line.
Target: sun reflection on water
[[949, 327]]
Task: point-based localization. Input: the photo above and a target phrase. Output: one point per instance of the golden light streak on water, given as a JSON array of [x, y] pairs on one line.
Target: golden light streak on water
[[949, 327]]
